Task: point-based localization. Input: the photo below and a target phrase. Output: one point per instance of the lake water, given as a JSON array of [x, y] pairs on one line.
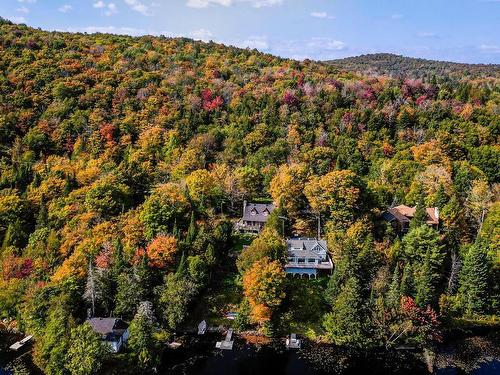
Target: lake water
[[199, 357]]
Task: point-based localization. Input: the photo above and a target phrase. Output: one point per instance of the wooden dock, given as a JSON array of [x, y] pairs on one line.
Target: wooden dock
[[227, 344], [18, 345]]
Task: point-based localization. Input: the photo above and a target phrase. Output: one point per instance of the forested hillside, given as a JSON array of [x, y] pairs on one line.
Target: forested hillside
[[124, 163], [408, 67]]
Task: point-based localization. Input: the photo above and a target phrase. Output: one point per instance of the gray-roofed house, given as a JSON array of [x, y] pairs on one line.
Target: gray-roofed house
[[400, 217], [307, 257], [254, 217], [113, 331]]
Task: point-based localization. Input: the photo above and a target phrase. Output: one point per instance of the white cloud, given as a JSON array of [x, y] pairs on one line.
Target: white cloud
[[258, 42], [111, 9], [319, 14], [65, 8], [227, 3], [326, 44], [489, 48], [426, 34], [23, 9], [137, 6], [397, 16], [201, 34], [17, 19], [118, 30]]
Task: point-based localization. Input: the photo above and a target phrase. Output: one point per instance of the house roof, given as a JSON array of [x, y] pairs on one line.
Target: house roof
[[109, 328], [257, 212], [404, 213], [306, 247]]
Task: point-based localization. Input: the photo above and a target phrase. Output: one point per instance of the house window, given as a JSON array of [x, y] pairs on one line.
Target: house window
[[311, 260], [301, 260]]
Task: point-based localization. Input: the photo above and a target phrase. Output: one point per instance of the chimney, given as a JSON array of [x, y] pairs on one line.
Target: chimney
[[244, 206], [436, 213]]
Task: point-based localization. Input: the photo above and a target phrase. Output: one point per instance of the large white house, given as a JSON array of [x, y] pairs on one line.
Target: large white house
[[307, 257]]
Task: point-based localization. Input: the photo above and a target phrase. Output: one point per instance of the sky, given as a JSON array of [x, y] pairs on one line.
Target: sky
[[452, 30]]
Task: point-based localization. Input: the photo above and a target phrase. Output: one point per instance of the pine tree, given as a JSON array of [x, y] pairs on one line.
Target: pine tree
[[175, 231], [182, 268], [394, 294], [42, 219], [7, 238], [425, 287], [474, 281], [141, 343], [142, 274], [192, 230], [420, 216], [345, 323], [407, 288], [118, 263], [441, 197]]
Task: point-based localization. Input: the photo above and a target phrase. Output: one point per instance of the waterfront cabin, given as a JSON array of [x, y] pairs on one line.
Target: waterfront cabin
[[113, 331], [307, 257], [400, 216], [254, 217]]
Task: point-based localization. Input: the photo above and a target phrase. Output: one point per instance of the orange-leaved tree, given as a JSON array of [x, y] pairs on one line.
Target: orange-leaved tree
[[263, 286], [161, 251]]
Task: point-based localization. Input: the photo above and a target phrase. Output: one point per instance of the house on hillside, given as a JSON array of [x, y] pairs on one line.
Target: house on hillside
[[113, 331], [254, 217], [307, 257], [400, 217]]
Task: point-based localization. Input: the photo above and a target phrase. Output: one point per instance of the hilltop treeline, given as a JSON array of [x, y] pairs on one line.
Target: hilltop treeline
[[124, 162], [408, 67]]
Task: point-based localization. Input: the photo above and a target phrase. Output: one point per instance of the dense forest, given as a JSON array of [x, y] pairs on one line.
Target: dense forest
[[408, 67], [124, 164]]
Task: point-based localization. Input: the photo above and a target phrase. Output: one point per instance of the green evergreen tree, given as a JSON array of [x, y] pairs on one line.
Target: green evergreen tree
[[86, 352], [128, 294], [407, 287], [52, 347], [192, 230], [424, 283], [141, 343], [7, 237], [344, 325], [118, 263], [420, 216], [394, 293], [474, 276], [441, 197], [182, 267], [42, 220]]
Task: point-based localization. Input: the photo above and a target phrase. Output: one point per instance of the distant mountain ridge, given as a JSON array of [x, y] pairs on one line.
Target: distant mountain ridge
[[409, 67]]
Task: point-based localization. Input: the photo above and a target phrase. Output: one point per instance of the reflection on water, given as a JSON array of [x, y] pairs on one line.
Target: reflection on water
[[199, 357], [202, 359]]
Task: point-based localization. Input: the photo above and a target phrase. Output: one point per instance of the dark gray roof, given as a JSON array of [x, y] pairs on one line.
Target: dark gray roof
[[110, 328], [257, 212], [306, 247]]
